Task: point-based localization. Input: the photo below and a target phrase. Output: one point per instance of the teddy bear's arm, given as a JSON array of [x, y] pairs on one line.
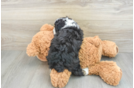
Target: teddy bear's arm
[[93, 40], [109, 48], [108, 71]]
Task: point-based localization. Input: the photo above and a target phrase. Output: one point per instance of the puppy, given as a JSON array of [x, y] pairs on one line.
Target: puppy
[[65, 46]]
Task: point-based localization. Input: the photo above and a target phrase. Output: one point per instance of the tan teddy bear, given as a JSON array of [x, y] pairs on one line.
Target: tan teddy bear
[[90, 54], [40, 43]]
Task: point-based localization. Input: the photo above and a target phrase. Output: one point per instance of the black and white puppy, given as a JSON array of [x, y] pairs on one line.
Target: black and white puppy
[[65, 46]]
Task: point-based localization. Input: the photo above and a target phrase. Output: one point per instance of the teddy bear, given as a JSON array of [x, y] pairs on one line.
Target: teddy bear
[[40, 43], [90, 54], [92, 49]]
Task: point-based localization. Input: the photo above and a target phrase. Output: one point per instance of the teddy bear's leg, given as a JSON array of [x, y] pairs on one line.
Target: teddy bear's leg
[[108, 71], [32, 50], [59, 79], [109, 48]]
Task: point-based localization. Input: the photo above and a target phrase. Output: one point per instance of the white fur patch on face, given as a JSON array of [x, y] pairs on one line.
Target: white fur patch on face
[[54, 31], [70, 22]]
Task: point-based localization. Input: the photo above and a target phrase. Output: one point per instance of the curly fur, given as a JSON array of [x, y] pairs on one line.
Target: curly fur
[[64, 49], [40, 43], [59, 79]]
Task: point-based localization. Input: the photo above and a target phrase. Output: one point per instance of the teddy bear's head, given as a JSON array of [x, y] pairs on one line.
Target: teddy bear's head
[[46, 27]]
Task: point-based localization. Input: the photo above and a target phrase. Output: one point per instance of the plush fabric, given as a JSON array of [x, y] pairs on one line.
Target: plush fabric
[[59, 79], [90, 52], [40, 43], [110, 49], [93, 48], [108, 71]]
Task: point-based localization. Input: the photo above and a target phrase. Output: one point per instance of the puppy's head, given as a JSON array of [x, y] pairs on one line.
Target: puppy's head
[[64, 22]]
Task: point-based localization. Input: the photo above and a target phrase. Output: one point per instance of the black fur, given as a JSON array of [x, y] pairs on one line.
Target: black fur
[[59, 24], [64, 49]]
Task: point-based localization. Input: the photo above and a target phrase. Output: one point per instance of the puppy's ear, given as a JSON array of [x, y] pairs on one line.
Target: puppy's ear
[[59, 24]]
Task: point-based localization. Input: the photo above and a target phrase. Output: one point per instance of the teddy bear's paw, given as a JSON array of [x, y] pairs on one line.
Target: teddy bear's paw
[[110, 49], [59, 79], [110, 72], [85, 71]]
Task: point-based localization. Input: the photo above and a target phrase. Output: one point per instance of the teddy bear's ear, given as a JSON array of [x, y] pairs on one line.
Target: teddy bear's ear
[[47, 27], [97, 37]]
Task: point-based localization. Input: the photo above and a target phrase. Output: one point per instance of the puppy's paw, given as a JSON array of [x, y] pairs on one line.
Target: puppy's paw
[[85, 71]]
